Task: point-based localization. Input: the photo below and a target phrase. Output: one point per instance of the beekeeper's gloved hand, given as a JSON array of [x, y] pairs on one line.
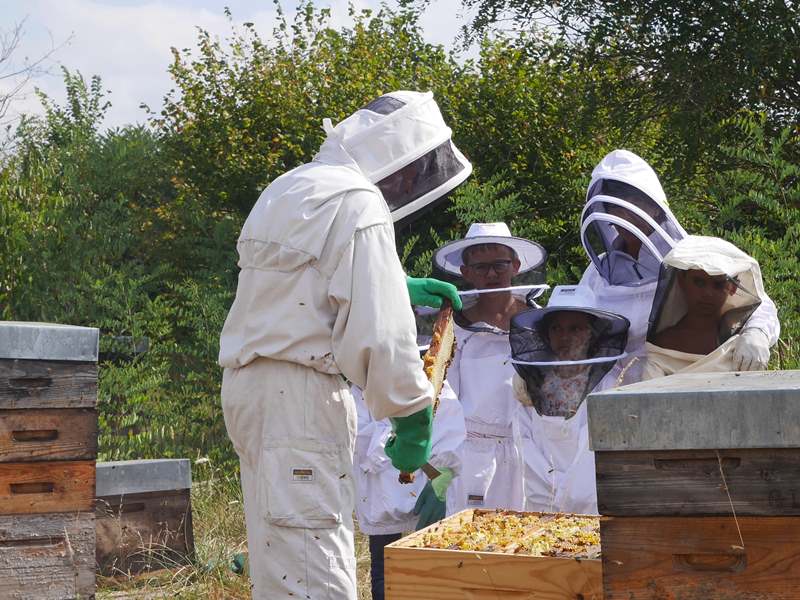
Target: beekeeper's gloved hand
[[429, 508], [409, 447], [442, 482], [425, 291], [751, 351]]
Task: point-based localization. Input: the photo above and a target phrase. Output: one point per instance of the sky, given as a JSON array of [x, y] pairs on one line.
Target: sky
[[127, 42]]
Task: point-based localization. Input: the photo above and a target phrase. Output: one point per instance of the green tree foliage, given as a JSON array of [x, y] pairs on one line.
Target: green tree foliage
[[133, 230], [84, 242], [755, 204], [695, 62], [250, 109]]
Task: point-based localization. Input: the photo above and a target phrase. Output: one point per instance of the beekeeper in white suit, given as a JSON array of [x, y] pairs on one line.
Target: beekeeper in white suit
[[626, 229], [561, 353], [322, 297], [490, 260]]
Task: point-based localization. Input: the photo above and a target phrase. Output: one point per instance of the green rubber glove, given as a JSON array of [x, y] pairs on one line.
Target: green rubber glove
[[442, 482], [425, 291], [409, 447], [429, 508]]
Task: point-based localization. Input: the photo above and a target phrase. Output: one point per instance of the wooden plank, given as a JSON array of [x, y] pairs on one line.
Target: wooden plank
[[40, 434], [46, 487], [428, 574], [47, 384], [47, 557], [698, 411], [760, 482], [701, 558], [142, 532]]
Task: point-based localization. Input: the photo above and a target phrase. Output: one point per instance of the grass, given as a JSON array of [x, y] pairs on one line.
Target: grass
[[219, 534]]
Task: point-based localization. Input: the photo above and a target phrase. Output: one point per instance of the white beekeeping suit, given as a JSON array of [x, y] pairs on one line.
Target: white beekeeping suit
[[626, 206], [322, 295], [733, 281], [553, 378], [383, 504], [481, 377]]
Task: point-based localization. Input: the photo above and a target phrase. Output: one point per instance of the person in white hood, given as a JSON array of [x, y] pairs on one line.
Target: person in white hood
[[626, 229], [708, 290], [561, 353], [386, 508], [488, 259], [322, 297]]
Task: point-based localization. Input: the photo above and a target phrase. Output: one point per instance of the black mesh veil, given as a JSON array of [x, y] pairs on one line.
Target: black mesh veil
[[420, 177], [558, 382]]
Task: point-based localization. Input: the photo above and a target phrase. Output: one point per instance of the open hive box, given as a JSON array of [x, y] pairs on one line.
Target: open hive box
[[483, 554]]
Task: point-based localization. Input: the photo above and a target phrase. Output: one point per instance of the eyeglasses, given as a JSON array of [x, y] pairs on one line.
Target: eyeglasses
[[498, 266]]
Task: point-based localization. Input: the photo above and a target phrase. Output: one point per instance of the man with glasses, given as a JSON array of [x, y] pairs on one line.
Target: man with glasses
[[488, 260]]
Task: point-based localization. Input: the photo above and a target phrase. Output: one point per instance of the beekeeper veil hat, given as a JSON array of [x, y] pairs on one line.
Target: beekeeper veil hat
[[737, 274], [562, 351], [401, 144], [626, 207]]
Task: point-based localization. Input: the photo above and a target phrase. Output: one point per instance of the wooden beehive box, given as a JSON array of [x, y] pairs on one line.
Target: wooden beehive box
[[144, 515], [48, 445], [684, 465], [435, 574]]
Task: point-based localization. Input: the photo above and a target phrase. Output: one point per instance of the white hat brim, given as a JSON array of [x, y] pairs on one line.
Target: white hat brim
[[449, 257]]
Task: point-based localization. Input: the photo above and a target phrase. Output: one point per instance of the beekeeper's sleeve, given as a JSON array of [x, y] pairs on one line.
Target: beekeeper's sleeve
[[374, 332]]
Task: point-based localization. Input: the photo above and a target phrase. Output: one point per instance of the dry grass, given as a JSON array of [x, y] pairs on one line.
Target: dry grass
[[219, 534]]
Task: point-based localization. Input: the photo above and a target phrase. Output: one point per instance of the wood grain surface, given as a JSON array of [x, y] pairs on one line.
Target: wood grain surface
[[142, 532], [701, 558], [47, 384], [47, 557], [41, 434], [47, 487], [760, 482], [429, 574], [433, 574]]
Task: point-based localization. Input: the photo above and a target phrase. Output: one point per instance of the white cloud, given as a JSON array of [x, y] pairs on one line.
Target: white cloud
[[127, 42]]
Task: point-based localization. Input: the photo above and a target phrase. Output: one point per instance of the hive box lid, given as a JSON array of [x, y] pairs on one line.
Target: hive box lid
[[125, 477], [48, 341], [697, 411]]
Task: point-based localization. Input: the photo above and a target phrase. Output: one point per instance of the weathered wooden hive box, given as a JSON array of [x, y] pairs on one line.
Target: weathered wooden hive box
[[700, 476], [144, 515], [48, 445], [420, 573]]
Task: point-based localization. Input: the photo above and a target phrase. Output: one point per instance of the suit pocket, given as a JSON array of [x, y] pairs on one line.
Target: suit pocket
[[302, 483]]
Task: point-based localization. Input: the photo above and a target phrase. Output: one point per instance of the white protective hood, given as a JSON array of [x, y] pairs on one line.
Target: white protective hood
[[717, 258], [611, 208], [401, 144]]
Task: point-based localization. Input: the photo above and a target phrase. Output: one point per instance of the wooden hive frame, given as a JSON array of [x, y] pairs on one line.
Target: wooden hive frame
[[432, 573]]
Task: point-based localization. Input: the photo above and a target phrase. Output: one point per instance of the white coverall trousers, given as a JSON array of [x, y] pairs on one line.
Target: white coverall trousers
[[294, 429]]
